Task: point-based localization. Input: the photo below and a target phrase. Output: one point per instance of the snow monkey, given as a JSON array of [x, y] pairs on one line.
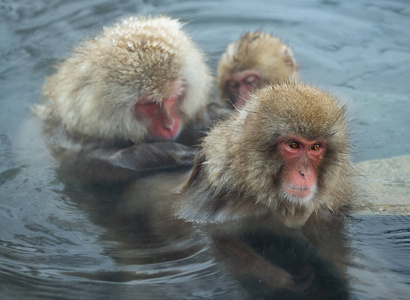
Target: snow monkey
[[124, 101], [252, 61], [279, 164]]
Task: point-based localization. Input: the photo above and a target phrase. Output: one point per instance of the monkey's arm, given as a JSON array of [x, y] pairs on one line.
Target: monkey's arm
[[196, 130], [247, 265], [218, 111], [103, 165]]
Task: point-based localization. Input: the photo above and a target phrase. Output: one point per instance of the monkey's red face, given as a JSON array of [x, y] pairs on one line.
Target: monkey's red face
[[163, 120], [302, 158], [239, 85]]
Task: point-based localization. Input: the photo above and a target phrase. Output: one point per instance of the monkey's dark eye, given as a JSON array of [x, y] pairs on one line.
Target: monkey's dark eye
[[315, 147], [232, 84], [293, 145]]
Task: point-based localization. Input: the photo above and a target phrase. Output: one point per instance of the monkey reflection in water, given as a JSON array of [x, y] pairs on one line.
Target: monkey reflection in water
[[269, 188]]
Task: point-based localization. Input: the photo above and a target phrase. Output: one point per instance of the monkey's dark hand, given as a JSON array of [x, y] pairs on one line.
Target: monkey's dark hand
[[154, 156], [303, 278], [217, 111]]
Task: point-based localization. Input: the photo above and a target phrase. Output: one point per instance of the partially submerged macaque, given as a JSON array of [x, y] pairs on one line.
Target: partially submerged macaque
[[286, 153], [281, 164], [254, 60], [123, 101]]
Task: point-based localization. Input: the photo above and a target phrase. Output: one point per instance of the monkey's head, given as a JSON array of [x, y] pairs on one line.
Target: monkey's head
[[142, 78], [254, 60], [286, 152]]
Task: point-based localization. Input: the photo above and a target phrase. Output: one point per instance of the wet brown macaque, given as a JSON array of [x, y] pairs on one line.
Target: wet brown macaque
[[254, 60], [130, 100], [278, 168]]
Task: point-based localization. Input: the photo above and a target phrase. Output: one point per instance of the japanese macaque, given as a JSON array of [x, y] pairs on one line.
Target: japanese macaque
[[281, 164], [254, 60], [285, 153], [123, 101]]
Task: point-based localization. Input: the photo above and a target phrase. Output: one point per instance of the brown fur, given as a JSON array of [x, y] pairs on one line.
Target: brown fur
[[261, 52]]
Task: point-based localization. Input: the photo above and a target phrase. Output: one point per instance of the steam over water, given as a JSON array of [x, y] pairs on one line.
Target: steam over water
[[60, 243]]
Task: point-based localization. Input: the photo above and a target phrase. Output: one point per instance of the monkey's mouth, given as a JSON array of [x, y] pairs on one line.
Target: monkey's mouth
[[299, 193]]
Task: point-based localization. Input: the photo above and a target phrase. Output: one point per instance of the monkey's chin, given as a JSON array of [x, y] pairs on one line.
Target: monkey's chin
[[296, 194], [164, 137]]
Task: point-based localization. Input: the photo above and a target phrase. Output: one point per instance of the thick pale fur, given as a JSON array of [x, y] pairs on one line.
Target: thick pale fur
[[93, 93], [261, 52], [238, 172]]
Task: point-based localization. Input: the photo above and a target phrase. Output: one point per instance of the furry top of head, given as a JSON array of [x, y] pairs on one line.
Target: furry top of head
[[95, 89]]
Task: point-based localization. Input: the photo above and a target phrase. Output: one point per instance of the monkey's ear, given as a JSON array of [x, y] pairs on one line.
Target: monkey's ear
[[288, 57], [196, 170]]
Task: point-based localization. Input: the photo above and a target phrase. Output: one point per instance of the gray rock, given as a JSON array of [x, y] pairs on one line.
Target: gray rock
[[384, 186]]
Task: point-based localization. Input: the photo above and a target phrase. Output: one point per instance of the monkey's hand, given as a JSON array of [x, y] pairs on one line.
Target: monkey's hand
[[93, 165], [154, 156], [249, 266]]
